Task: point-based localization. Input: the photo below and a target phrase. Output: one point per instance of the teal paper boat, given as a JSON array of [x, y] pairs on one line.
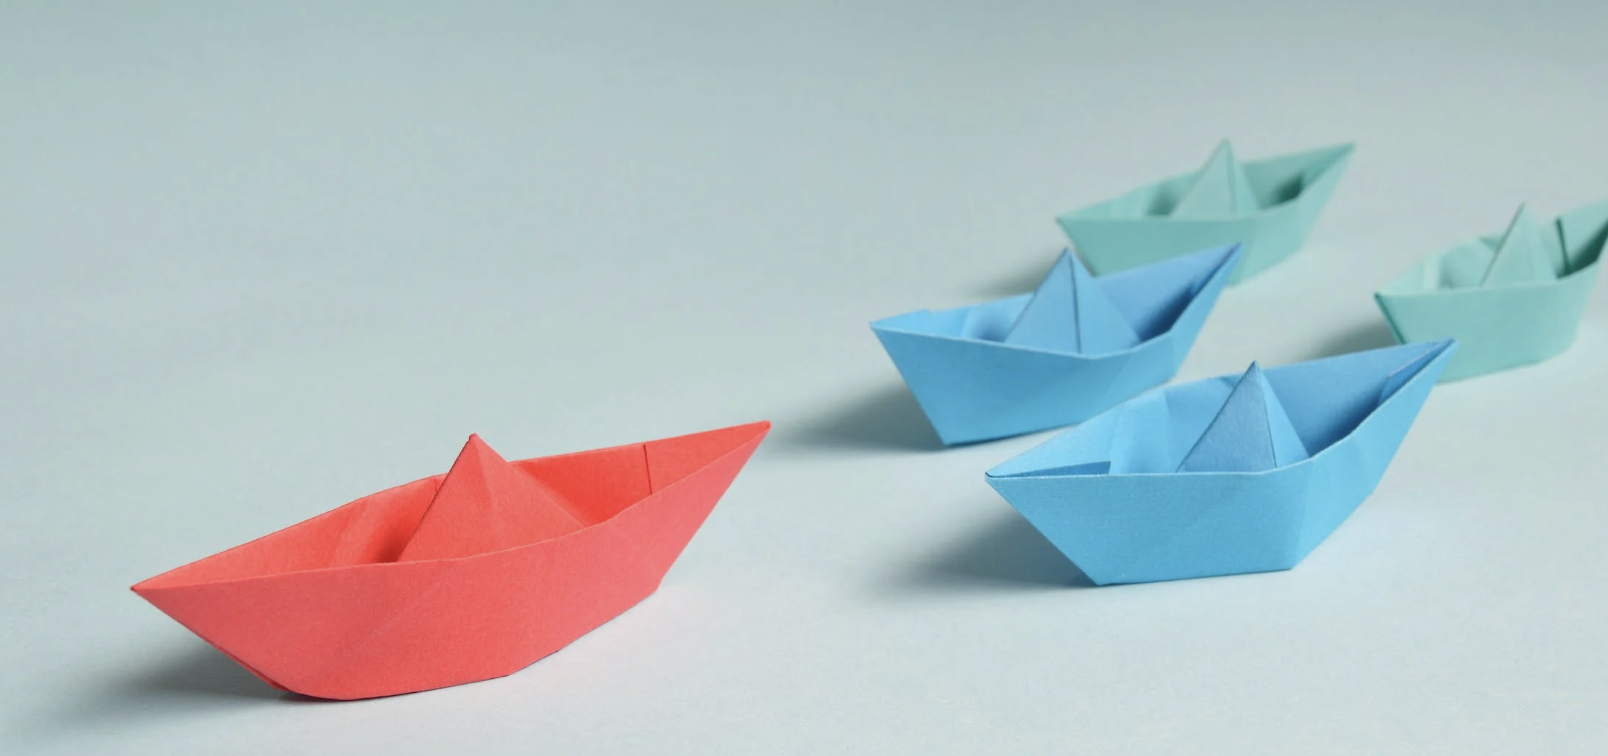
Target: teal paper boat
[[1073, 348], [1226, 475], [1509, 300], [1267, 205]]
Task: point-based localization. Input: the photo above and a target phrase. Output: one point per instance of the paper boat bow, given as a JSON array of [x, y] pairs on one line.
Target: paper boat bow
[[459, 577], [1073, 348], [1509, 300], [1225, 475], [1268, 205]]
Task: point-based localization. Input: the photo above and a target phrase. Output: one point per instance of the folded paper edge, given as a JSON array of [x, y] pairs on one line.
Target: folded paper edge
[[762, 428], [1439, 350]]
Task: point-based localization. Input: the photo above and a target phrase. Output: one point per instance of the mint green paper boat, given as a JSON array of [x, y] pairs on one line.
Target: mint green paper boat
[[1509, 300], [1268, 205]]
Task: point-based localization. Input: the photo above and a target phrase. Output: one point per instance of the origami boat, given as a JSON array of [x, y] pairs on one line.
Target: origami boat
[[1073, 348], [1509, 300], [1267, 205], [459, 577], [1225, 475]]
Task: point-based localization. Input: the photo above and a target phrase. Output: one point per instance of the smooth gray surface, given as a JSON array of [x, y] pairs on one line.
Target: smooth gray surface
[[262, 259]]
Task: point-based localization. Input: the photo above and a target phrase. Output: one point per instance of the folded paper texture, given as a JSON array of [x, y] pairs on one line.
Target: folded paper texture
[[1226, 475], [1070, 312], [343, 606], [1510, 299], [1251, 432], [1269, 206], [484, 504], [1074, 347], [1522, 256], [1219, 189]]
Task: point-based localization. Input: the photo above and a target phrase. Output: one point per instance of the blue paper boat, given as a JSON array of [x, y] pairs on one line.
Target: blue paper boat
[[1061, 355], [1226, 475], [1268, 205]]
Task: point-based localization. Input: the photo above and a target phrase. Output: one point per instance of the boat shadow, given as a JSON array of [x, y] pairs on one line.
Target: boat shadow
[[1357, 337], [1007, 553], [885, 418], [201, 671], [1016, 282], [1019, 282], [198, 679]]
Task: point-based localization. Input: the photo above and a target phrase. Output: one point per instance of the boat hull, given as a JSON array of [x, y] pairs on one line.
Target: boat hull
[[1125, 231], [1496, 329], [376, 629], [1500, 327], [973, 390], [1135, 528]]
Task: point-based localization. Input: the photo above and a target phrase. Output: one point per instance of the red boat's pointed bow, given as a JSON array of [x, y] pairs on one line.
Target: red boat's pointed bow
[[672, 459]]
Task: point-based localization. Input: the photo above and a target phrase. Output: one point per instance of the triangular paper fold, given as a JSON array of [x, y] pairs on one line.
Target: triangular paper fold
[[1251, 433], [483, 505], [1220, 189], [1522, 256], [1071, 312]]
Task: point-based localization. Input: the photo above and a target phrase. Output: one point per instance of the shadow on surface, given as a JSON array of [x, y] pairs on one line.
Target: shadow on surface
[[1022, 281], [887, 418], [201, 671], [197, 679], [1007, 552], [1355, 338]]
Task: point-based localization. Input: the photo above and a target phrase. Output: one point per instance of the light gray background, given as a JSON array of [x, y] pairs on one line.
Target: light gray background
[[263, 259]]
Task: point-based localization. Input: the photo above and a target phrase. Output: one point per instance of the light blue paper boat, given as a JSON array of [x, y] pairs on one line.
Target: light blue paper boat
[[1267, 205], [1225, 475], [1075, 347], [1509, 300]]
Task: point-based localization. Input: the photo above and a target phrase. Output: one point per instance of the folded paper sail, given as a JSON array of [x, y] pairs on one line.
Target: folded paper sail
[[460, 577], [1510, 299], [1267, 205], [1066, 352], [1225, 475]]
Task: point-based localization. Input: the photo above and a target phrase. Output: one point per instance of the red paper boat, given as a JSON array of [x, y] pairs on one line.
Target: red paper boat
[[459, 577]]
